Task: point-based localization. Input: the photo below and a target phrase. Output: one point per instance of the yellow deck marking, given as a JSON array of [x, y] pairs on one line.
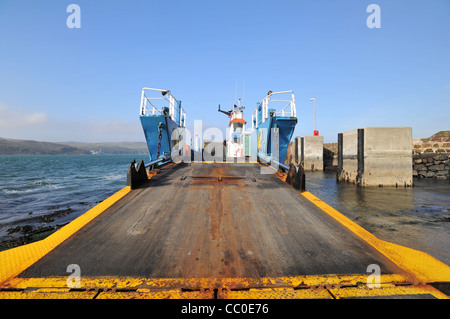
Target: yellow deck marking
[[201, 283], [296, 287], [363, 291], [279, 293], [47, 295]]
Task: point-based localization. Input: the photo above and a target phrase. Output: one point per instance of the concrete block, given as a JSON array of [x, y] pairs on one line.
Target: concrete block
[[313, 153], [384, 158], [349, 171], [309, 151]]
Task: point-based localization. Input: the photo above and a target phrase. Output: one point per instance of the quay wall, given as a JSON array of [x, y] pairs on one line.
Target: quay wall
[[431, 156], [433, 144], [431, 165]]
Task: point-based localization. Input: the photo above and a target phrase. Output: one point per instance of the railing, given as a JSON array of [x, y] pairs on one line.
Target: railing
[[151, 105], [287, 111]]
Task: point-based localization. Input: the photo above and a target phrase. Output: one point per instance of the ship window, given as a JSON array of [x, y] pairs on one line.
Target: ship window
[[238, 128]]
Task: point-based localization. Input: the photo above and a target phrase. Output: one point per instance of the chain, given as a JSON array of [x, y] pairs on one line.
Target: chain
[[160, 127]]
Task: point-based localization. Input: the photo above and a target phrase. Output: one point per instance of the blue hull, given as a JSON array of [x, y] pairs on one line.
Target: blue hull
[[150, 125], [286, 126]]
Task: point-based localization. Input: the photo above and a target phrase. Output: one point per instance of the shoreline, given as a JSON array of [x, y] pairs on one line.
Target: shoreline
[[32, 234], [34, 228]]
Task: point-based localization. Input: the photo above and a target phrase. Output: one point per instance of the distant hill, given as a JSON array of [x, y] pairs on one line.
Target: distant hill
[[30, 147], [441, 134], [133, 148]]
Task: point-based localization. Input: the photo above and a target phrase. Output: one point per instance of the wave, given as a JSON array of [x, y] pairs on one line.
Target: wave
[[114, 177], [36, 186], [44, 183], [10, 191]]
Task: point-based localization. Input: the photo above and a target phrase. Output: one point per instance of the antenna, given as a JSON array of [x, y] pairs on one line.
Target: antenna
[[243, 91], [235, 93]]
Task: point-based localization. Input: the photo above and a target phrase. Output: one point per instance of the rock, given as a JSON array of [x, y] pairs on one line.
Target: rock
[[443, 172], [440, 157], [419, 167], [24, 229], [429, 174], [423, 173], [418, 161], [13, 230], [415, 173], [434, 168]]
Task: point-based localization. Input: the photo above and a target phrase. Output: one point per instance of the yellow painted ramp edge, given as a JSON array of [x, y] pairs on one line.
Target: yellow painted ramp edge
[[16, 260], [297, 287], [422, 266], [415, 292]]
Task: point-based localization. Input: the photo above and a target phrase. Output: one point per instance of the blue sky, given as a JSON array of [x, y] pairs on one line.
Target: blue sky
[[60, 84]]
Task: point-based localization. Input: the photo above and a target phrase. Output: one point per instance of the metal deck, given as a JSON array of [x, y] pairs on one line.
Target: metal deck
[[213, 230], [186, 223]]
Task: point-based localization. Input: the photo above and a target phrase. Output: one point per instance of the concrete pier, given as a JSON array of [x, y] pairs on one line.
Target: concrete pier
[[376, 156], [307, 150]]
